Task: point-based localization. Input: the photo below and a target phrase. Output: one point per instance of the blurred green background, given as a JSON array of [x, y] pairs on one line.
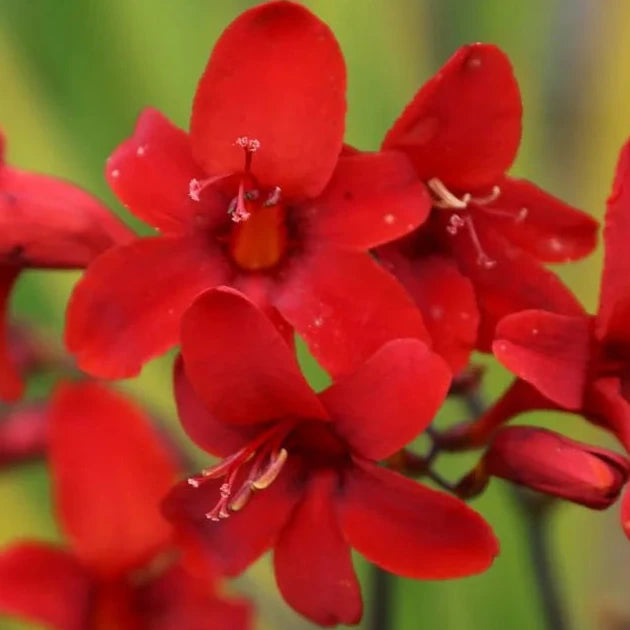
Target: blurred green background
[[74, 74]]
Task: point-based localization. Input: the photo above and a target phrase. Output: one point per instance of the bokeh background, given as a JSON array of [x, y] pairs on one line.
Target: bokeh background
[[75, 74]]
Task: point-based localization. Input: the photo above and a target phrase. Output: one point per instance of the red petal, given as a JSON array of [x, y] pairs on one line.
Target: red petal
[[177, 601], [464, 125], [244, 371], [151, 173], [411, 530], [44, 585], [232, 544], [110, 473], [11, 384], [551, 231], [445, 297], [46, 222], [552, 352], [204, 428], [614, 302], [320, 298], [312, 560], [497, 292], [127, 307], [373, 198], [381, 407], [277, 75]]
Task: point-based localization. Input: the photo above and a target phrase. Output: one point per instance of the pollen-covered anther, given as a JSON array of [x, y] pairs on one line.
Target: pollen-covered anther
[[274, 197], [249, 144], [196, 186], [272, 470], [444, 198]]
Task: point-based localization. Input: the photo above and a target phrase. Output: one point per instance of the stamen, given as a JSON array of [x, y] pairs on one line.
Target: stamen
[[482, 201], [268, 462], [457, 223], [274, 197], [237, 205], [272, 471], [483, 259], [517, 217], [195, 186], [445, 198]]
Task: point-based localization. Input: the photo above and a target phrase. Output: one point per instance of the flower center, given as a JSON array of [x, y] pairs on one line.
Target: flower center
[[259, 239], [255, 467], [463, 220]]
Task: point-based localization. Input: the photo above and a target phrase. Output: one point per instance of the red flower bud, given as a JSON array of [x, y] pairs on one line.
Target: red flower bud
[[554, 464]]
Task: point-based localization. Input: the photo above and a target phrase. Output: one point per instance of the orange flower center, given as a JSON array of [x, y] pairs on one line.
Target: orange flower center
[[260, 241]]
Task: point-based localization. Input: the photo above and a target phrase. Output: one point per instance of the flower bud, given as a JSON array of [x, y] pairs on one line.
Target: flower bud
[[23, 434], [554, 464]]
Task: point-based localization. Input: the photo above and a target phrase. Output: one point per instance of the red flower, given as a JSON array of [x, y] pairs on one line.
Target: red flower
[[554, 464], [299, 473], [109, 474], [45, 223], [256, 197], [582, 363], [481, 249]]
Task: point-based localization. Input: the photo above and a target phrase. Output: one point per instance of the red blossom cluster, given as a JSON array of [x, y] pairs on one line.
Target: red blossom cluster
[[393, 266]]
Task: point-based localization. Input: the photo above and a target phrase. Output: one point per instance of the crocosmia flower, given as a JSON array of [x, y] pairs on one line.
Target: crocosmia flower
[[578, 362], [299, 471], [45, 223], [487, 230], [261, 196], [119, 571]]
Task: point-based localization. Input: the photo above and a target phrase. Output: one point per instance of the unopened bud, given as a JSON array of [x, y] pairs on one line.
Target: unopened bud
[[554, 464]]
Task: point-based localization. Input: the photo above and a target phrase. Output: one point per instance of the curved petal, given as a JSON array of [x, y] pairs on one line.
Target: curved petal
[[11, 384], [231, 545], [44, 585], [47, 222], [551, 231], [151, 173], [552, 352], [390, 399], [244, 371], [614, 301], [319, 299], [498, 295], [312, 559], [178, 601], [128, 306], [277, 75], [110, 473], [203, 427], [445, 297], [372, 198], [464, 125], [413, 531]]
